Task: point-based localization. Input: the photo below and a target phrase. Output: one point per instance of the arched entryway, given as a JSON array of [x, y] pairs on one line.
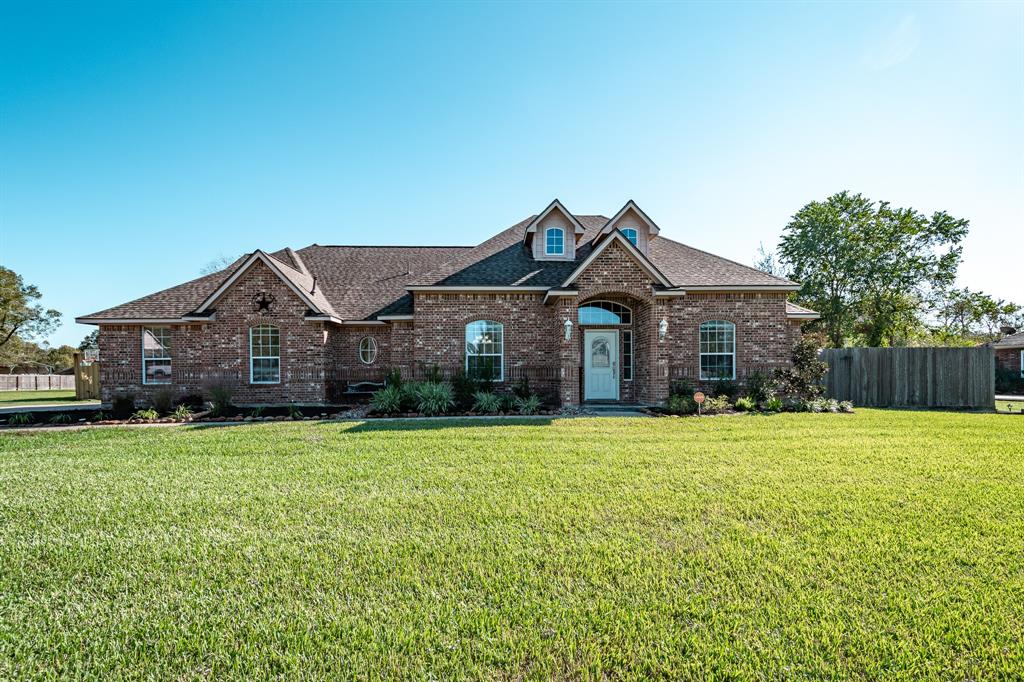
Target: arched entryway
[[611, 332]]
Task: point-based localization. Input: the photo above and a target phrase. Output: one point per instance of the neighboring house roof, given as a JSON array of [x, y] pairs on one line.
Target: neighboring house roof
[[1011, 341], [358, 283]]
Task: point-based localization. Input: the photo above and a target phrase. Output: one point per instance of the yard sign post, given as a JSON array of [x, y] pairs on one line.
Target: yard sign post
[[698, 398]]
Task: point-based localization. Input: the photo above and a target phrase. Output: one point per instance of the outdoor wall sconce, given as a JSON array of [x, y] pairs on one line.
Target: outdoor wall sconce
[[568, 328], [662, 329]]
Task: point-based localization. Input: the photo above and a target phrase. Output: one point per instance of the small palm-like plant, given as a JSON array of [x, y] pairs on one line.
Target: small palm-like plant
[[20, 419], [146, 415], [388, 400], [182, 413], [528, 405], [62, 418], [485, 402], [435, 399]]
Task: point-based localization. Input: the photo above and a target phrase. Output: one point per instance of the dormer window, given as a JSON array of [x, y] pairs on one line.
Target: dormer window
[[554, 241], [630, 234]]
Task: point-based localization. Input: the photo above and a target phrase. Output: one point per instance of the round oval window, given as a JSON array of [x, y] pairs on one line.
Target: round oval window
[[368, 350]]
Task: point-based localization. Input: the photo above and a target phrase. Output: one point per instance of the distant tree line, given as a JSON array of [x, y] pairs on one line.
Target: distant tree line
[[23, 319], [884, 276]]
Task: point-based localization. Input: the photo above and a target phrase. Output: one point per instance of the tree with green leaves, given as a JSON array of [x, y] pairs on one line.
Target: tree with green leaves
[[91, 340], [20, 315], [868, 267], [973, 315]]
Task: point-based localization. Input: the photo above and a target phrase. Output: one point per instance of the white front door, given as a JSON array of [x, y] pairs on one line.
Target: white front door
[[601, 364]]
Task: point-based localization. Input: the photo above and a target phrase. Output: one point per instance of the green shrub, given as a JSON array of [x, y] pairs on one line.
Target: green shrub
[[761, 386], [521, 389], [1009, 381], [724, 387], [845, 406], [465, 388], [220, 393], [294, 412], [123, 405], [745, 404], [99, 416], [434, 399], [432, 374], [409, 396], [148, 415], [181, 412], [61, 418], [803, 379], [486, 403], [682, 387], [394, 378], [388, 400], [773, 404], [20, 419], [257, 411], [162, 400], [679, 403], [508, 402], [528, 405], [716, 405]]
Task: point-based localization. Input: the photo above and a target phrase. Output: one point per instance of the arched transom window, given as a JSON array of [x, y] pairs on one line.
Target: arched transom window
[[605, 312], [554, 241], [264, 354], [630, 234], [485, 350], [717, 350]]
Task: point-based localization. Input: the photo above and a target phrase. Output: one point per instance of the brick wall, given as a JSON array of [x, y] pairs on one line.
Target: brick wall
[[1008, 358], [219, 350], [314, 354]]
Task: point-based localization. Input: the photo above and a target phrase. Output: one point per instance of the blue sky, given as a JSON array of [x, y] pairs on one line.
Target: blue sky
[[138, 142]]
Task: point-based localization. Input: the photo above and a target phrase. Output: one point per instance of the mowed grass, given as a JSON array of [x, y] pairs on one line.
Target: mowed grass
[[879, 545], [29, 398]]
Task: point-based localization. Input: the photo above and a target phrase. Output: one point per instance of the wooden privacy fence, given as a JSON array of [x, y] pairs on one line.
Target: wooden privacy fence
[[911, 377], [87, 378], [36, 382]]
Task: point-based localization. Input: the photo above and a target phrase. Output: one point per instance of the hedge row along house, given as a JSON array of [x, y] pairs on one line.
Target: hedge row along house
[[584, 307]]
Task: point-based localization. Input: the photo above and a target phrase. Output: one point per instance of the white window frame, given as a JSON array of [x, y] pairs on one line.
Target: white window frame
[[547, 244], [500, 356], [636, 235], [626, 339], [372, 349], [168, 357], [277, 357], [701, 353]]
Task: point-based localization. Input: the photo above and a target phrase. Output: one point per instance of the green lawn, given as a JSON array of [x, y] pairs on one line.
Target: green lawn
[[879, 545], [19, 398]]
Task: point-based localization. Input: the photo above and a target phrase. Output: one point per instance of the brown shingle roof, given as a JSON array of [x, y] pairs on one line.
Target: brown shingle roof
[[361, 282], [1011, 341]]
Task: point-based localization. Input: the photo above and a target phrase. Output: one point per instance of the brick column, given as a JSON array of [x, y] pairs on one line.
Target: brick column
[[568, 352]]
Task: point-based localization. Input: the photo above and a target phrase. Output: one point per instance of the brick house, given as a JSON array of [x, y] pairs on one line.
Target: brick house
[[1009, 352], [584, 307]]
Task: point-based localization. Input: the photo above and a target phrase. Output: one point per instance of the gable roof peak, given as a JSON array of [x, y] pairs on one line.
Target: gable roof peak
[[556, 205], [652, 227]]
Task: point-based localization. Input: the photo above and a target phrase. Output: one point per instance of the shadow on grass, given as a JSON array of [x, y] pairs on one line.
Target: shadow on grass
[[396, 424], [424, 424]]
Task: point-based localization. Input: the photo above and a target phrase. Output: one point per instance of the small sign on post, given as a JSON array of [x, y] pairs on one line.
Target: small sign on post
[[698, 398]]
